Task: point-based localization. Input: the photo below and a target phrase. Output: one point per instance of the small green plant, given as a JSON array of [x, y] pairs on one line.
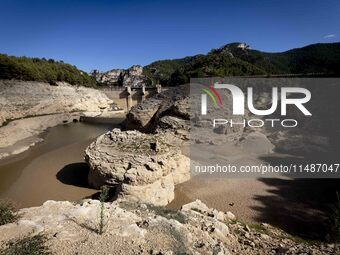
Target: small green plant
[[258, 228], [7, 213], [29, 245], [168, 213], [104, 195]]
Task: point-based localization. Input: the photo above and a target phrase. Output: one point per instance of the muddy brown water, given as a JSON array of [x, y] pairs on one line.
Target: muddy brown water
[[53, 169]]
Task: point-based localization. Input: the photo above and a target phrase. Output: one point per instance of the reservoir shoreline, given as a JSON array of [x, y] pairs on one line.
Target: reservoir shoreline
[[52, 169]]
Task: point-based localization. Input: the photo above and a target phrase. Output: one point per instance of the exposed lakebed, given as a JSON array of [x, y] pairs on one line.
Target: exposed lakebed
[[53, 169]]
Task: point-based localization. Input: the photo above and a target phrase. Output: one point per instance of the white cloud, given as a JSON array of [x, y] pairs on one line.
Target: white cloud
[[329, 36]]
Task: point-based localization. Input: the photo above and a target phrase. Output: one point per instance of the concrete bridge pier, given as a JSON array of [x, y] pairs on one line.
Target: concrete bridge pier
[[159, 88], [126, 97], [143, 93], [129, 98]]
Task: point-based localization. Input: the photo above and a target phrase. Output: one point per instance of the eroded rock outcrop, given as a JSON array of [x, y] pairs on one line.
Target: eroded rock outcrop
[[29, 108], [137, 228], [140, 166], [168, 110], [20, 99], [132, 77], [144, 166]]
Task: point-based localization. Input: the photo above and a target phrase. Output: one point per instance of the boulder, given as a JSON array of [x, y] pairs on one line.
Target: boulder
[[174, 123], [167, 109], [230, 216], [140, 166], [299, 143], [257, 143], [195, 205]]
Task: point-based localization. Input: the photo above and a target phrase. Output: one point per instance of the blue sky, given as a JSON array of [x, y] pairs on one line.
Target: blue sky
[[103, 34]]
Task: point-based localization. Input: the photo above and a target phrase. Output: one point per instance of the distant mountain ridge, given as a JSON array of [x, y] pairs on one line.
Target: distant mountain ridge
[[234, 59], [238, 59]]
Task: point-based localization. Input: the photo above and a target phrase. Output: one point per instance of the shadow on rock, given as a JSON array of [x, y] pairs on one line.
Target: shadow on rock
[[74, 174]]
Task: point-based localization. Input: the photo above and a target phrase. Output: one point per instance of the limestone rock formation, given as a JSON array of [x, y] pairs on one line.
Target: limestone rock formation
[[20, 99], [132, 77], [135, 228], [141, 167], [29, 108], [169, 109], [111, 77]]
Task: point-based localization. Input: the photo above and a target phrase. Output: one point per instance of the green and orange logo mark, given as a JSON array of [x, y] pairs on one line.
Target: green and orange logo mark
[[213, 94]]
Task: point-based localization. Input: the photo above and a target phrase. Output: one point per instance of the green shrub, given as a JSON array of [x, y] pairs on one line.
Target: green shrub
[[168, 213], [7, 213], [29, 245]]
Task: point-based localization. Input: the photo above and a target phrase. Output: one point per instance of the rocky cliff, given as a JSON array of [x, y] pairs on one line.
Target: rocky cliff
[[19, 99], [132, 77], [29, 108]]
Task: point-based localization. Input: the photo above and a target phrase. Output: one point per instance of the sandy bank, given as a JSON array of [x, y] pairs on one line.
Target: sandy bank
[[19, 135], [28, 108]]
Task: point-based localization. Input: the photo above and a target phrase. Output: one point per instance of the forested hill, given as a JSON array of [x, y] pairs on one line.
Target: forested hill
[[237, 59], [36, 69]]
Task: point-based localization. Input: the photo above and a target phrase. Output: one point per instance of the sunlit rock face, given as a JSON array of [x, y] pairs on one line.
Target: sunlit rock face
[[137, 228], [132, 77], [109, 77], [169, 110], [139, 166], [20, 99], [145, 166]]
